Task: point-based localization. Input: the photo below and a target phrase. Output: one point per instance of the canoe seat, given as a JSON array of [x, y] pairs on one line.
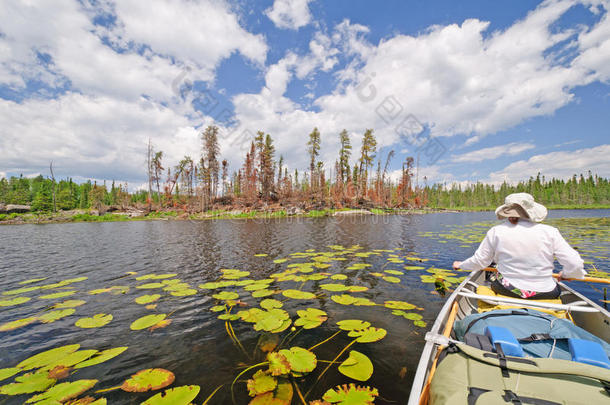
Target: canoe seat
[[485, 306]]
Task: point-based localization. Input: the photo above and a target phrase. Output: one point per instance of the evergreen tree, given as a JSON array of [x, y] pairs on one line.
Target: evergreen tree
[[344, 155], [313, 147]]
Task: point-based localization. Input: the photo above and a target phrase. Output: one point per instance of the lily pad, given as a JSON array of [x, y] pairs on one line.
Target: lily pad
[[414, 267], [63, 392], [69, 304], [147, 299], [261, 383], [278, 364], [14, 301], [21, 290], [149, 286], [234, 274], [48, 356], [71, 359], [394, 272], [391, 279], [282, 395], [32, 280], [353, 324], [271, 303], [351, 395], [148, 380], [213, 285], [271, 320], [52, 316], [298, 294], [57, 295], [310, 318], [184, 292], [334, 287], [346, 299], [226, 295], [101, 357], [156, 276], [357, 366], [262, 293], [8, 372], [17, 324], [368, 335], [300, 360], [147, 321], [96, 321], [28, 383], [398, 305], [338, 277], [174, 396]]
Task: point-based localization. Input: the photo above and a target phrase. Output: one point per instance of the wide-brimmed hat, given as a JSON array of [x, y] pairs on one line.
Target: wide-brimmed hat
[[521, 205]]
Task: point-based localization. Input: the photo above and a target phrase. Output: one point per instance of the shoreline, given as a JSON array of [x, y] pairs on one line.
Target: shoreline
[[77, 216]]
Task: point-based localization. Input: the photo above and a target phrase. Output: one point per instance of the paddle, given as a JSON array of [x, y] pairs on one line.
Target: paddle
[[589, 279]]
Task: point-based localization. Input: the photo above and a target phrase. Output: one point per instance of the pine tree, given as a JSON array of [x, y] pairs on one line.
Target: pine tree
[[367, 156], [313, 147], [344, 155]]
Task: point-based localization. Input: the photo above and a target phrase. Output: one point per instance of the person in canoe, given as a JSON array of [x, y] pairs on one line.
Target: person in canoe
[[524, 251]]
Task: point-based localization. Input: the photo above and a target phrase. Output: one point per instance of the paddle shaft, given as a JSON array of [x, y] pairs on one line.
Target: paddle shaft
[[589, 279]]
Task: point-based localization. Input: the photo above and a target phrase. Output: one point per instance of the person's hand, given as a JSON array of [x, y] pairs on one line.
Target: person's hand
[[561, 278], [456, 265]]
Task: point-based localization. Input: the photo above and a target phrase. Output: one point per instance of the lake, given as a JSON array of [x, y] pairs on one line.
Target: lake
[[352, 254]]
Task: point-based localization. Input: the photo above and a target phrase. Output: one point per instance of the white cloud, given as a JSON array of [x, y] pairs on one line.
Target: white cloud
[[94, 137], [289, 14], [198, 35], [493, 152], [561, 165]]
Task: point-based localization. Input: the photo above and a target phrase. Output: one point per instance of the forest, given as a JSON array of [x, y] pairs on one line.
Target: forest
[[263, 182]]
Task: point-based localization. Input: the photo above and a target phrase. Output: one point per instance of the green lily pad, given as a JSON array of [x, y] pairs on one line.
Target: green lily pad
[[310, 318], [353, 324], [218, 308], [14, 301], [368, 335], [147, 299], [421, 324], [261, 255], [148, 380], [228, 317], [271, 303], [282, 395], [357, 366], [298, 294], [184, 293], [391, 279], [57, 295], [149, 286], [278, 364], [48, 356], [339, 277], [262, 293], [334, 287], [408, 315], [17, 324], [21, 290], [278, 261], [96, 321], [226, 295], [261, 383], [101, 357], [8, 372], [413, 267], [147, 321], [52, 316], [395, 272], [256, 286], [398, 305], [300, 360], [351, 395], [234, 274], [71, 359], [346, 299], [28, 383], [271, 320], [63, 392], [155, 276], [251, 315], [213, 285], [357, 288], [69, 304], [174, 396]]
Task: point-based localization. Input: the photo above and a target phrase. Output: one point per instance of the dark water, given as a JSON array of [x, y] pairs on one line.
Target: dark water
[[195, 346]]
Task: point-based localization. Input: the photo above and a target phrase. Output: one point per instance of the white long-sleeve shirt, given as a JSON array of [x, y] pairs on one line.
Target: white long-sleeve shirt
[[524, 255]]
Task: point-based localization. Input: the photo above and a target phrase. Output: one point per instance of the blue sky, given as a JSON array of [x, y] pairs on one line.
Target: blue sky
[[479, 90]]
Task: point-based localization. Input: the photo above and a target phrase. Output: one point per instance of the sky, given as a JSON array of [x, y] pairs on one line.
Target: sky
[[473, 90]]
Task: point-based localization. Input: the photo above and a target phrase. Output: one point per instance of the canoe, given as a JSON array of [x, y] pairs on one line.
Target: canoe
[[465, 301]]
